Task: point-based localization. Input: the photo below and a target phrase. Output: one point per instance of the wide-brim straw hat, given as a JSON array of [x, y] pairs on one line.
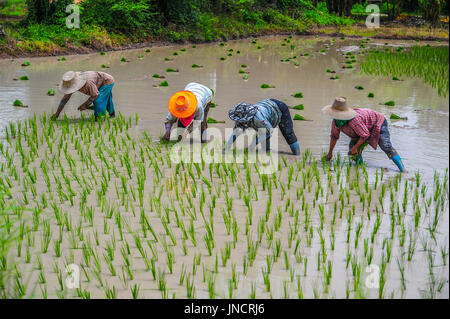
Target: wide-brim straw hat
[[339, 110], [72, 82], [183, 104]]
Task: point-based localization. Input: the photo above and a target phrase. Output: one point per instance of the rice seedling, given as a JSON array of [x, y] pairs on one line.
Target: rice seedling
[[298, 117], [298, 95], [396, 117], [267, 86], [210, 120], [359, 87], [19, 103], [24, 78], [169, 70], [300, 107], [163, 84], [419, 61]]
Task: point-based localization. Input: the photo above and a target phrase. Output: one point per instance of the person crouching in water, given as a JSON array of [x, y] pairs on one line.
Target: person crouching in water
[[98, 85], [364, 127], [189, 108], [266, 114]]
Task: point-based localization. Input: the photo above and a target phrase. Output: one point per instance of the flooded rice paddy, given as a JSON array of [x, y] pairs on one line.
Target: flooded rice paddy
[[107, 198]]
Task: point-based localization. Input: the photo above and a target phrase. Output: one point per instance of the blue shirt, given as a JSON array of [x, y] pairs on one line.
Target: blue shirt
[[267, 117]]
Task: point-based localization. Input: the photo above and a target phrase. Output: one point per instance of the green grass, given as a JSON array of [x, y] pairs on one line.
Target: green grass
[[427, 63]]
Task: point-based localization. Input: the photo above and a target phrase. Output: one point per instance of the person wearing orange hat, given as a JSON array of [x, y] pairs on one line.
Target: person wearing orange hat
[[190, 109]]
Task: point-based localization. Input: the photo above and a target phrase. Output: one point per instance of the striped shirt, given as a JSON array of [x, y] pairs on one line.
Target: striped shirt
[[366, 125]]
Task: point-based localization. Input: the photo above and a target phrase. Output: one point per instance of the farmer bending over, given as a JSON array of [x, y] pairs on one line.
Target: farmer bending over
[[98, 85], [189, 108], [364, 127], [266, 114]]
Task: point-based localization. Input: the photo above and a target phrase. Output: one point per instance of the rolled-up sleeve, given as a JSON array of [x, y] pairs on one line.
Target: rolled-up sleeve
[[335, 132]]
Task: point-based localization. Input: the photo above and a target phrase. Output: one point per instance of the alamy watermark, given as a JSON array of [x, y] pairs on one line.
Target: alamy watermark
[[73, 20], [215, 152], [373, 19]]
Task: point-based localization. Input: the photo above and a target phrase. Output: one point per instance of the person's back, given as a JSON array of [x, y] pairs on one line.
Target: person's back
[[267, 112]]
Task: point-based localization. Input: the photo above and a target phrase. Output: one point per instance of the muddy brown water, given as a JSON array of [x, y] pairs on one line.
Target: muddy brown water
[[422, 141]]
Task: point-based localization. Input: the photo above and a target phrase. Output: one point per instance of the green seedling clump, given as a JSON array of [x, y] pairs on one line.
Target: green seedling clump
[[298, 95], [267, 86], [298, 117], [168, 70], [19, 103], [371, 94], [148, 51], [213, 121], [51, 92], [396, 117], [24, 78], [26, 63], [102, 53], [390, 103], [123, 60], [196, 66], [164, 83], [157, 76], [359, 87], [299, 107]]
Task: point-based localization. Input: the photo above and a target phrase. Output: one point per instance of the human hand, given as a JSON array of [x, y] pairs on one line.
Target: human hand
[[54, 117], [82, 108], [353, 151], [166, 136], [329, 156]]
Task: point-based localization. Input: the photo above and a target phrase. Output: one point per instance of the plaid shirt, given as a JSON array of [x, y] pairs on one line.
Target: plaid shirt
[[366, 124]]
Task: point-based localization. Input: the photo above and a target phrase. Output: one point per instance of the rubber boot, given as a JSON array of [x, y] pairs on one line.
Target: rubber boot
[[295, 148], [112, 115], [398, 161], [359, 160]]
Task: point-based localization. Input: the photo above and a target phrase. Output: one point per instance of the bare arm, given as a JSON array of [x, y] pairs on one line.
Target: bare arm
[[333, 142], [63, 102]]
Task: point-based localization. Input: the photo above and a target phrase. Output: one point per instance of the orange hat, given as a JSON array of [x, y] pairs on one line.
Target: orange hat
[[183, 104]]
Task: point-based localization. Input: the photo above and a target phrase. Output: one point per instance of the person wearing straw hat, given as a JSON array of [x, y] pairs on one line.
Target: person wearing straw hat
[[189, 108], [364, 127], [266, 115], [97, 85]]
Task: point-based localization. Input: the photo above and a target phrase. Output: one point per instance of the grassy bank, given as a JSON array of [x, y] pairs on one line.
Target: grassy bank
[[103, 29], [386, 32]]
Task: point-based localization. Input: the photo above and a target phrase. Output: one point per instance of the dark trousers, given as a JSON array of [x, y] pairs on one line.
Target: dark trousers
[[286, 125], [384, 143]]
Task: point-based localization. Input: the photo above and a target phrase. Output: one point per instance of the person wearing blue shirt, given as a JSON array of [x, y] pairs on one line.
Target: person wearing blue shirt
[[267, 115]]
